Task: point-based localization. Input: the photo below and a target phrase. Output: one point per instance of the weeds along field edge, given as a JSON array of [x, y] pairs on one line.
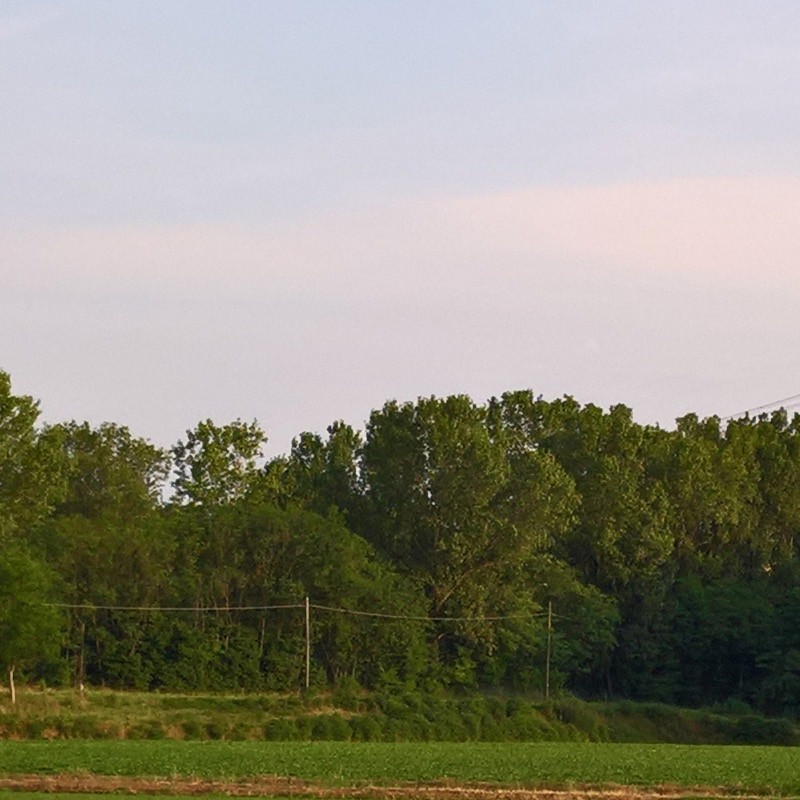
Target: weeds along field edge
[[17, 795], [757, 768], [392, 716]]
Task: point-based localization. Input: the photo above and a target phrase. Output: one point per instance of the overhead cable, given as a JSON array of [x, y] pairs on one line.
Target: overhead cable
[[425, 619], [92, 607], [792, 401], [318, 607]]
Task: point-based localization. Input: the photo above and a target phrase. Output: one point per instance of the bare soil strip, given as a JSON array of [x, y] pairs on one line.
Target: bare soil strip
[[288, 787]]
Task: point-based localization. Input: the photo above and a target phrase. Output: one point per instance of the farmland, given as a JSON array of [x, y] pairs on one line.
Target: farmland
[[320, 765]]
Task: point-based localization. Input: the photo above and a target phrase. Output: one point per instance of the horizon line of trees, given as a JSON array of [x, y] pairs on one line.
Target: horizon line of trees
[[670, 556]]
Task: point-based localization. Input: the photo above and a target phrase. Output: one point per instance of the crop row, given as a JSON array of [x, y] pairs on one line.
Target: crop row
[[773, 769]]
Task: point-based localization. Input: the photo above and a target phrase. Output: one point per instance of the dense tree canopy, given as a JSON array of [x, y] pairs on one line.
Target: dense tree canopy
[[430, 546]]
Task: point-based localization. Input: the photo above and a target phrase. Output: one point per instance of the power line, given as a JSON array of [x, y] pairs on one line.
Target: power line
[[317, 606], [92, 607], [307, 605], [786, 403], [379, 615]]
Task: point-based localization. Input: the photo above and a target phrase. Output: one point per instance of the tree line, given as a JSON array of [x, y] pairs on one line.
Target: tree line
[[669, 556]]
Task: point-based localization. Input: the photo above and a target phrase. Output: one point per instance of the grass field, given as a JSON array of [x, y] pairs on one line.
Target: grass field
[[774, 770]]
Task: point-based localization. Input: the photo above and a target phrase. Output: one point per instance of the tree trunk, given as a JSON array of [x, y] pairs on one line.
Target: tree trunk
[[11, 685]]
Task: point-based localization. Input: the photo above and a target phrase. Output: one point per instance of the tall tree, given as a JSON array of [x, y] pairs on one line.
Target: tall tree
[[30, 465], [452, 508], [623, 525], [711, 484], [110, 471], [770, 449], [29, 628], [217, 464], [105, 538], [324, 473]]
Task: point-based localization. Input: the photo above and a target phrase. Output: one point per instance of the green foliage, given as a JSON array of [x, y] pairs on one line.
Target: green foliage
[[463, 513], [669, 556], [31, 479], [217, 464], [753, 729], [330, 727], [29, 628], [323, 474], [388, 716], [109, 472]]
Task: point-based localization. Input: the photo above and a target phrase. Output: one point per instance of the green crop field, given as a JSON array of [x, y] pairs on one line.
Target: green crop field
[[763, 769]]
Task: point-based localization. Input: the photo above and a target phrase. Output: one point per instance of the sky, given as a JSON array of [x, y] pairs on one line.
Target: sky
[[296, 211]]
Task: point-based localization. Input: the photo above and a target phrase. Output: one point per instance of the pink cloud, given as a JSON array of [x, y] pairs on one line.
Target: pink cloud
[[734, 229], [728, 227]]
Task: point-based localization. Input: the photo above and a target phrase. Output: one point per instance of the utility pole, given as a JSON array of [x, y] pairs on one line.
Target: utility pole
[[549, 647], [81, 666], [308, 643]]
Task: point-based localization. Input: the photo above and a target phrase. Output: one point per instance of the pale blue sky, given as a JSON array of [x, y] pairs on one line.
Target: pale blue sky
[[295, 211]]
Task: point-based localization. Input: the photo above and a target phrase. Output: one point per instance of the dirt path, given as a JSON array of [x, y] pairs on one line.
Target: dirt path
[[287, 787]]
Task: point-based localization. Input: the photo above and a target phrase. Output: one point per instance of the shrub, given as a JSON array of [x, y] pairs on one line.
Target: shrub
[[581, 716], [147, 729], [81, 726], [347, 694], [215, 729], [281, 730], [753, 729], [191, 728], [733, 706], [366, 728], [333, 727]]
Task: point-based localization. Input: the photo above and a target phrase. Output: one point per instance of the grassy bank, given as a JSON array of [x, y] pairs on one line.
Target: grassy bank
[[355, 716]]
